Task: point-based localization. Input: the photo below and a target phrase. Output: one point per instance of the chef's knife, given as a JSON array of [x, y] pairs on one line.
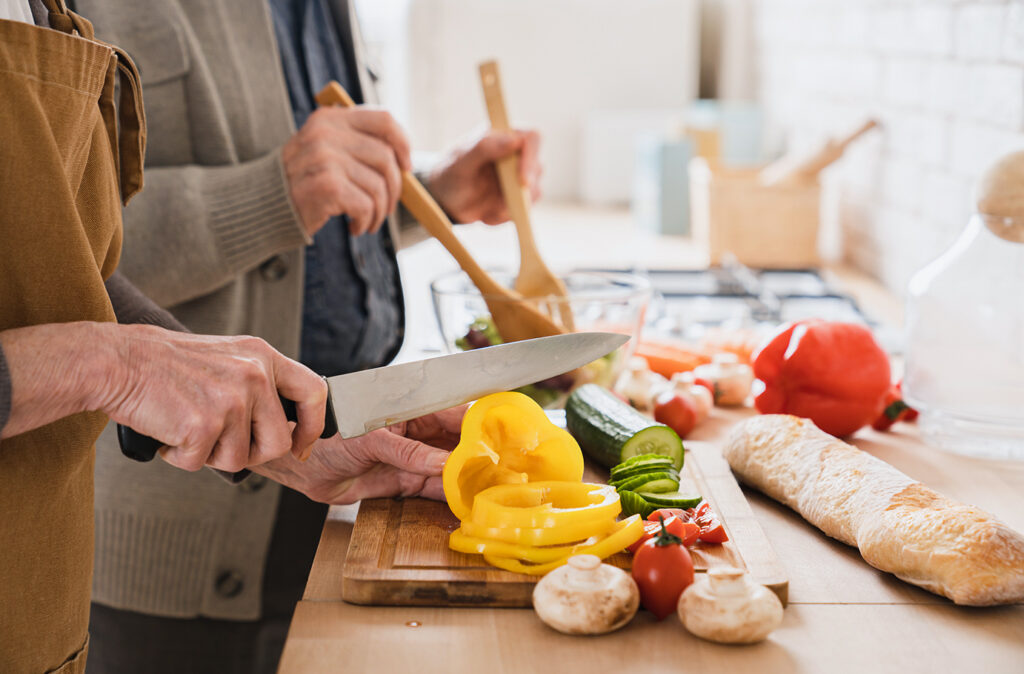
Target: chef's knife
[[361, 402]]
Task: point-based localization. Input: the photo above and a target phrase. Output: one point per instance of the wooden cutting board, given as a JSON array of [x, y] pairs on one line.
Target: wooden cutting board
[[399, 552]]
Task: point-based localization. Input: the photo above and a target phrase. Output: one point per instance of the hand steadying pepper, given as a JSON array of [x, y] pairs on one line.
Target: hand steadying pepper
[[834, 374]]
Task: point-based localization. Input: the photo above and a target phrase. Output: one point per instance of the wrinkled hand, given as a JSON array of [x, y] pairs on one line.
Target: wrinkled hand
[[346, 161], [466, 185], [401, 460], [211, 400]]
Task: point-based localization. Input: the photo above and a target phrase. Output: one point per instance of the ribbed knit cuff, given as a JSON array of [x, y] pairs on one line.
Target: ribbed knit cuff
[[5, 391], [253, 215]]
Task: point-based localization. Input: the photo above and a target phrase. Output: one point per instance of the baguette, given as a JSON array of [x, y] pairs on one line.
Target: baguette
[[899, 525]]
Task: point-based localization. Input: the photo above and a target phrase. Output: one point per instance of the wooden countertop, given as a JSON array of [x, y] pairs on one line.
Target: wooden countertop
[[843, 616]]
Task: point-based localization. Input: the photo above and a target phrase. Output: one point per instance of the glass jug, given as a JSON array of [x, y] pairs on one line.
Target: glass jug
[[965, 328]]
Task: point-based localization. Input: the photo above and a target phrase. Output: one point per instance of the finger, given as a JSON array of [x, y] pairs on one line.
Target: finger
[[495, 145], [308, 390], [433, 488], [232, 450], [405, 453], [529, 158], [382, 125], [271, 433], [360, 209], [374, 185], [379, 157]]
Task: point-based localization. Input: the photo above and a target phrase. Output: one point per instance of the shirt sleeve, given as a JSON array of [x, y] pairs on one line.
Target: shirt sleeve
[[132, 307]]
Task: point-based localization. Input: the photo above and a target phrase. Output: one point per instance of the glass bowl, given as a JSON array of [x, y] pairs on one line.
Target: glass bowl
[[600, 301]]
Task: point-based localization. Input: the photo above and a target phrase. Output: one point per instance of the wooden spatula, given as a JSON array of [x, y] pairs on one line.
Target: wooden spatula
[[515, 318], [535, 279]]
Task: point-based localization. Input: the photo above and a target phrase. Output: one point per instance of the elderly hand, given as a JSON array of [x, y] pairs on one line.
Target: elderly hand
[[466, 185], [402, 460], [211, 400], [346, 161]]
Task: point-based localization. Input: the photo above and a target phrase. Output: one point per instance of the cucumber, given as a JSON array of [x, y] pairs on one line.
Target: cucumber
[[637, 483], [610, 431], [634, 482], [648, 464], [658, 486], [670, 500], [632, 504]]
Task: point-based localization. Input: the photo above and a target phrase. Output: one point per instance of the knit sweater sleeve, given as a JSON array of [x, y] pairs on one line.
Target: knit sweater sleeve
[[196, 228]]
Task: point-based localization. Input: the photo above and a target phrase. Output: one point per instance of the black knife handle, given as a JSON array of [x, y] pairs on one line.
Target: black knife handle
[[143, 448]]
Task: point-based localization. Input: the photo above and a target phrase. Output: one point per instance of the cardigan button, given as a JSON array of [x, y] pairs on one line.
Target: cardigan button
[[274, 269], [229, 584]]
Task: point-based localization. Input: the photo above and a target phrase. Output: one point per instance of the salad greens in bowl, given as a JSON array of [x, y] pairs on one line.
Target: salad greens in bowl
[[600, 301]]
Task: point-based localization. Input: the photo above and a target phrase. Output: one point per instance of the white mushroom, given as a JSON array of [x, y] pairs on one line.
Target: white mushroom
[[586, 597], [726, 606], [683, 384]]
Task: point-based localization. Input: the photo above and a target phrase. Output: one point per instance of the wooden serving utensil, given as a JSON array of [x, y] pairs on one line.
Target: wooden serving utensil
[[796, 169], [535, 279], [514, 317]]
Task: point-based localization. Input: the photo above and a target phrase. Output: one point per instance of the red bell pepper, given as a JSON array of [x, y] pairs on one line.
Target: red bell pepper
[[834, 374]]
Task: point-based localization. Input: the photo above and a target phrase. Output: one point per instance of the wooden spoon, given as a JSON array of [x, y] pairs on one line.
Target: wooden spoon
[[515, 318], [535, 279]]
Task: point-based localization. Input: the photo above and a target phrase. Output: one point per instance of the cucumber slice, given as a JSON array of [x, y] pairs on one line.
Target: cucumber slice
[[610, 431], [658, 486], [635, 483], [650, 475], [637, 467], [671, 499], [632, 504], [640, 458]]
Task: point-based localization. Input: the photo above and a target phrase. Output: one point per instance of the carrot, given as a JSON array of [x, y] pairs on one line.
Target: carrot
[[668, 359]]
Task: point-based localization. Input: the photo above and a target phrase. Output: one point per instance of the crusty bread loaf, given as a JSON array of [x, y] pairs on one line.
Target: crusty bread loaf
[[899, 525]]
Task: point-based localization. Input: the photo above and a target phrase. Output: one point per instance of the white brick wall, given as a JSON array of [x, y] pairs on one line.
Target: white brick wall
[[946, 79]]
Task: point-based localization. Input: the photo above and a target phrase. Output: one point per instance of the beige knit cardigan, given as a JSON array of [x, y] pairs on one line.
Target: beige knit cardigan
[[214, 238]]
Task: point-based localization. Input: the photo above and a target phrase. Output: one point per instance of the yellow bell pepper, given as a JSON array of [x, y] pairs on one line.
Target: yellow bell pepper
[[545, 504], [626, 532], [460, 542], [572, 532], [507, 439]]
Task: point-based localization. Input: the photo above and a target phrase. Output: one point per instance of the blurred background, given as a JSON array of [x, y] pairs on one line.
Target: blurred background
[[625, 93]]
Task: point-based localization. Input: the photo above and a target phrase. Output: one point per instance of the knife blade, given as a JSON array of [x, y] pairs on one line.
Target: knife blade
[[371, 399], [364, 401]]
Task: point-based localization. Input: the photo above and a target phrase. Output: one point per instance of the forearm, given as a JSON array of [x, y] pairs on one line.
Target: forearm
[[196, 228], [55, 370]]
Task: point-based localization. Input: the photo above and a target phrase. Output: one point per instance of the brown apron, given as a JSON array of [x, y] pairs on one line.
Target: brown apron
[[64, 168]]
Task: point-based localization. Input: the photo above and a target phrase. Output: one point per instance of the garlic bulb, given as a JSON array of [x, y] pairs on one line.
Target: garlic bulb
[[732, 379], [724, 605], [586, 597], [639, 385]]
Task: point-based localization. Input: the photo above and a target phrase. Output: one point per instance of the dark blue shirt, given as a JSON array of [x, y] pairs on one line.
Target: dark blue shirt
[[352, 304]]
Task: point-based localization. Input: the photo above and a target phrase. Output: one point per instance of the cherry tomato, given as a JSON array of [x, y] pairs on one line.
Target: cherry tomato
[[662, 569], [677, 412], [686, 530], [711, 529], [706, 383], [664, 513]]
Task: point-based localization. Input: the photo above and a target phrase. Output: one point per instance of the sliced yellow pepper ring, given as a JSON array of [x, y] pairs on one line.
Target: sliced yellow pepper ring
[[572, 532], [626, 532], [460, 542], [507, 439], [545, 504]]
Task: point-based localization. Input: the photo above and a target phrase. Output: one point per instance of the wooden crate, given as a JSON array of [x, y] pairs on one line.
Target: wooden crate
[[763, 226]]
